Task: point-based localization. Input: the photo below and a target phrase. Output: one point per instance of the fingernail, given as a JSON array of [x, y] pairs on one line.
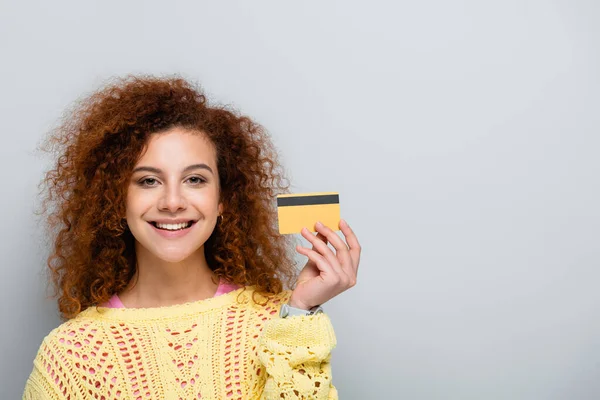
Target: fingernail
[[343, 222], [319, 224]]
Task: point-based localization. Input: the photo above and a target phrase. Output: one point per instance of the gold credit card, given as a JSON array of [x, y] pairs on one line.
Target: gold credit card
[[296, 211]]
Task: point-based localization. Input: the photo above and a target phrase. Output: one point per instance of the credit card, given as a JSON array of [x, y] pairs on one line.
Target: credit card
[[296, 211]]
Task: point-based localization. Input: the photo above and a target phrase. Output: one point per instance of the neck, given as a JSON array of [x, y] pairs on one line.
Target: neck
[[159, 283]]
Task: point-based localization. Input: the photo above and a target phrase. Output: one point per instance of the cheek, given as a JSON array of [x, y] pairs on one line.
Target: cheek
[[205, 199], [137, 203]]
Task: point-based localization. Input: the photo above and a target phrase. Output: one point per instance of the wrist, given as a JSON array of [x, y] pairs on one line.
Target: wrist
[[297, 304]]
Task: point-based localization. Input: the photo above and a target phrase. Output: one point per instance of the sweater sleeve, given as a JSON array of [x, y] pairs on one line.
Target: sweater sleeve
[[49, 379], [38, 387], [296, 353]]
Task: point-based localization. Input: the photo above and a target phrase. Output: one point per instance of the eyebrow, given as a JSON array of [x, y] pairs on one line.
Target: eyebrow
[[186, 169]]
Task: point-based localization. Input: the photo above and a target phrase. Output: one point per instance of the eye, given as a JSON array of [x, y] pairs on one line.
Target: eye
[[143, 182], [151, 182], [199, 180]]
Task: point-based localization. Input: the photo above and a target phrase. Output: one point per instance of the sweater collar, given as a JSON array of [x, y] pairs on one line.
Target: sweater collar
[[239, 296]]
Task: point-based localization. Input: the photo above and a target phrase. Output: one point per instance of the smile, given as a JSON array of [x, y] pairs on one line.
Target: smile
[[173, 227], [173, 233]]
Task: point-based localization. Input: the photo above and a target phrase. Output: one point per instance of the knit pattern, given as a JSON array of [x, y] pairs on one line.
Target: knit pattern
[[225, 347]]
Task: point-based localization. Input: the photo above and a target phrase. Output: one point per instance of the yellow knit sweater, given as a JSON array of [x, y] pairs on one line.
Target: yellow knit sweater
[[225, 347]]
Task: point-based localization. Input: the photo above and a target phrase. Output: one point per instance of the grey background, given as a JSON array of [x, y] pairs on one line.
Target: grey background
[[462, 137]]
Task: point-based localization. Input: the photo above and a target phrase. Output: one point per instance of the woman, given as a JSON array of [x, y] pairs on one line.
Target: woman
[[167, 263]]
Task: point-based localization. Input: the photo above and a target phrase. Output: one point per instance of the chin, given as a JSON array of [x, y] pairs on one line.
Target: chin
[[175, 255], [171, 258]]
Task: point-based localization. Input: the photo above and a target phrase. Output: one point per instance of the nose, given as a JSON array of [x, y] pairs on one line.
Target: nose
[[172, 200]]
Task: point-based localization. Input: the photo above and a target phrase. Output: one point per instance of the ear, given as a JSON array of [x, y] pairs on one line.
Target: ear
[[220, 208]]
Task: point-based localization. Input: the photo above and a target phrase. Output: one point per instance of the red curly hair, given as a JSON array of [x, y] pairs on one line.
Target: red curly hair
[[97, 145]]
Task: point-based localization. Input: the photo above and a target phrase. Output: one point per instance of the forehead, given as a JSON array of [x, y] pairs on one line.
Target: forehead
[[178, 147]]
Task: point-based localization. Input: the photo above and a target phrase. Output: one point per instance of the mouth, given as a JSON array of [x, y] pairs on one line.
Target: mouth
[[187, 226]]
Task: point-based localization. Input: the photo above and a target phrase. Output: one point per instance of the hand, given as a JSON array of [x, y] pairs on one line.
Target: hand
[[326, 274]]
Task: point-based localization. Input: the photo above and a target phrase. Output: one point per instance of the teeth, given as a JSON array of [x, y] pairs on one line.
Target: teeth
[[172, 227]]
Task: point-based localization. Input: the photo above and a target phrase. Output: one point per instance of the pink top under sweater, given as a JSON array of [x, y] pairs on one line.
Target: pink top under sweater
[[224, 287]]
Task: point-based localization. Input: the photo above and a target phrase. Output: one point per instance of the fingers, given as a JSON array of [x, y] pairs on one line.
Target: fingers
[[322, 249], [352, 240], [340, 262], [321, 237], [341, 248], [332, 272], [320, 261], [346, 254]]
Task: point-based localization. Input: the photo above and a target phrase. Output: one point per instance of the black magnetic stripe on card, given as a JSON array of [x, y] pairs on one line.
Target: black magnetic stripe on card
[[308, 200]]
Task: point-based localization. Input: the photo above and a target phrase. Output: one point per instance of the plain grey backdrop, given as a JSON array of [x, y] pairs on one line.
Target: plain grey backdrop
[[461, 135]]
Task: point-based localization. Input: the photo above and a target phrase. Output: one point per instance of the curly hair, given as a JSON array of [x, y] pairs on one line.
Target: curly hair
[[97, 144]]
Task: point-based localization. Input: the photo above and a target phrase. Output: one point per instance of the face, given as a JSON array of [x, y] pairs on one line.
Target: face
[[175, 180]]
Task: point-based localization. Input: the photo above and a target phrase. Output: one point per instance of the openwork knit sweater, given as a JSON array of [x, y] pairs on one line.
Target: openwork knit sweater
[[225, 347]]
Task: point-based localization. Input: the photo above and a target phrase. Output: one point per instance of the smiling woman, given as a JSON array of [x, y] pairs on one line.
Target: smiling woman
[[173, 193], [170, 273]]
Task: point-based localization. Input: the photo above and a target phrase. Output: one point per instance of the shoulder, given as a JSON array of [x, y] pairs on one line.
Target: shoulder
[[65, 353], [65, 343], [72, 334]]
